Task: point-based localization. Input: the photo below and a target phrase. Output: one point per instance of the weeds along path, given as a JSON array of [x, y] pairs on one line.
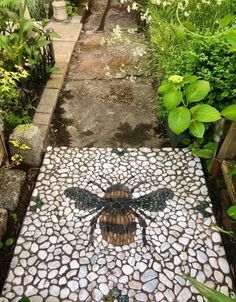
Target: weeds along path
[[107, 98]]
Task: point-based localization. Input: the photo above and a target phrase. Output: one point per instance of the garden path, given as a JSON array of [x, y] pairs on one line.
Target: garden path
[[105, 103], [107, 97], [54, 262]]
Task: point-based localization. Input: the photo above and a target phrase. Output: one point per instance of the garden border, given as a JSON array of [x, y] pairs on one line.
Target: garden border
[[35, 136]]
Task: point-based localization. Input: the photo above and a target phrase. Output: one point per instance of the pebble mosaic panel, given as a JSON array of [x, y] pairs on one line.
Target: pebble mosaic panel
[[55, 259]]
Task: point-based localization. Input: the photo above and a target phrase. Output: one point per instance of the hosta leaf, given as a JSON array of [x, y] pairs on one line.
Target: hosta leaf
[[211, 146], [226, 20], [197, 129], [231, 37], [179, 119], [203, 153], [197, 91], [189, 79], [232, 49], [172, 99], [205, 113], [229, 112], [165, 87]]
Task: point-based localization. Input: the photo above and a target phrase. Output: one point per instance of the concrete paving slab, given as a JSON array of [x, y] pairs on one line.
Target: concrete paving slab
[[49, 97], [107, 61], [63, 50], [68, 32], [42, 118], [78, 243], [115, 113], [55, 81], [61, 67]]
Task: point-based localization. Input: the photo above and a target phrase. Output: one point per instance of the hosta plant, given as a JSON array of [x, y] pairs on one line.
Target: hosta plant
[[183, 98]]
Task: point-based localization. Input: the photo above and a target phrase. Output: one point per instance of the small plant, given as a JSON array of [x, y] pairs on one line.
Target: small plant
[[71, 7], [8, 243], [208, 59], [14, 217], [180, 95], [10, 95]]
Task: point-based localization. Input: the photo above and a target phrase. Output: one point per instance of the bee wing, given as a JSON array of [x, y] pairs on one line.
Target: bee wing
[[154, 201], [85, 200]]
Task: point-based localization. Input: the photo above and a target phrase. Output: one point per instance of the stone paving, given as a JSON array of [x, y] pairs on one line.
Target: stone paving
[[107, 98], [136, 239]]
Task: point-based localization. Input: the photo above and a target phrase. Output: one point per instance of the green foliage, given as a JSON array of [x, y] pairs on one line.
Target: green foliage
[[179, 97], [71, 8], [228, 233], [14, 217], [9, 3], [210, 60], [20, 55], [21, 46], [231, 38], [232, 212], [179, 119], [232, 172], [8, 243], [10, 96], [206, 151], [37, 10], [229, 112], [210, 294], [24, 299], [180, 94]]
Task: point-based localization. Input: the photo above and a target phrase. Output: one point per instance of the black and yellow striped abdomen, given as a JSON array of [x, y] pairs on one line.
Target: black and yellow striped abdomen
[[118, 228]]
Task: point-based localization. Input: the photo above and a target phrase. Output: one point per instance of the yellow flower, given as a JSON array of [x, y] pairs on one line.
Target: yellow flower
[[176, 79]]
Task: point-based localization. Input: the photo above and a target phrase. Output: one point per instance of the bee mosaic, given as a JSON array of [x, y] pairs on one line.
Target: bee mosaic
[[117, 211]]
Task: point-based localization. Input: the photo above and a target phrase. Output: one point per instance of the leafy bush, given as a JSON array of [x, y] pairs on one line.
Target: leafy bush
[[180, 96], [23, 64], [173, 24], [210, 60], [37, 10], [10, 97], [20, 40]]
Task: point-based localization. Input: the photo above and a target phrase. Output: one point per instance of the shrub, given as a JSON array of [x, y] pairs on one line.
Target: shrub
[[24, 63], [210, 60]]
